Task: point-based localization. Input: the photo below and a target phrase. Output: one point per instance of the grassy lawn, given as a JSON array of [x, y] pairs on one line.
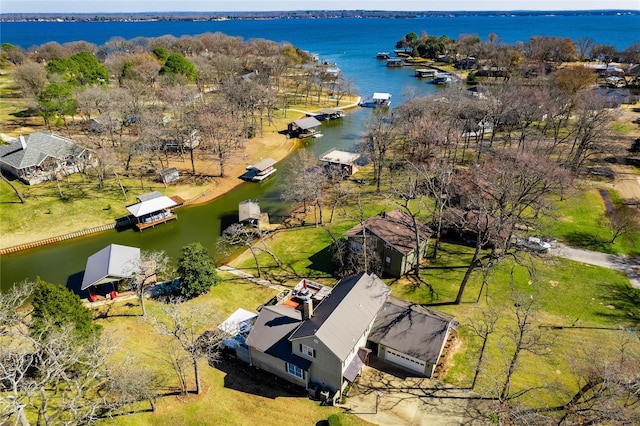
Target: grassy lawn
[[231, 395], [580, 221]]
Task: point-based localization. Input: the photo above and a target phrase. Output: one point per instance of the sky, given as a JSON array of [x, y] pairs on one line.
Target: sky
[[110, 6]]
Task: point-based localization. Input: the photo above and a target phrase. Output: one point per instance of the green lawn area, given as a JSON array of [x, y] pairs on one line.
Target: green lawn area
[[580, 221]]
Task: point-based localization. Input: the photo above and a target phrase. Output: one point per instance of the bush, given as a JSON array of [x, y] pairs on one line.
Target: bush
[[341, 419]]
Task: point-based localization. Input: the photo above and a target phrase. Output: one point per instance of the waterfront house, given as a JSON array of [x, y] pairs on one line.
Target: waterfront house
[[43, 156], [152, 209], [393, 236], [107, 268], [411, 336], [315, 336], [303, 128]]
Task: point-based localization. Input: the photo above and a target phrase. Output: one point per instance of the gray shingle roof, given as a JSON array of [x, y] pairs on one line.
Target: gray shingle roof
[[342, 317], [271, 330], [39, 146], [412, 329]]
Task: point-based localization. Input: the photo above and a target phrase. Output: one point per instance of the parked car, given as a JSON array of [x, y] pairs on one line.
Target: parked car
[[534, 244]]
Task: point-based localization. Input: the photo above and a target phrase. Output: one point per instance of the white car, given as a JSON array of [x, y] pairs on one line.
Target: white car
[[534, 244]]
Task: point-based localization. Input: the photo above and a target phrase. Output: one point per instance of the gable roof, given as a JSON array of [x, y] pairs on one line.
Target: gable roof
[[395, 228], [263, 164], [112, 263], [342, 317], [412, 329], [33, 149], [248, 210], [151, 205], [307, 123], [271, 330]]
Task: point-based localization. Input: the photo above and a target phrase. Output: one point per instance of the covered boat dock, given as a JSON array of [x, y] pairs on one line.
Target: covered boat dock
[[152, 209]]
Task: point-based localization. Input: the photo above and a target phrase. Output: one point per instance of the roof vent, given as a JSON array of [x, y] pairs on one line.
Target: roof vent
[[23, 142]]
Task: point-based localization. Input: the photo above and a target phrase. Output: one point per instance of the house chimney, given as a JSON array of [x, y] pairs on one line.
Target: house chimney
[[23, 142], [307, 311]]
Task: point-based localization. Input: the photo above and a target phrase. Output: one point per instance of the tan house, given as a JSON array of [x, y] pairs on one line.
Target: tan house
[[394, 238]]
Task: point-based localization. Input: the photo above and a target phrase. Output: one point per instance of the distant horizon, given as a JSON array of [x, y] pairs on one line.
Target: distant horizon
[[166, 12], [233, 6]]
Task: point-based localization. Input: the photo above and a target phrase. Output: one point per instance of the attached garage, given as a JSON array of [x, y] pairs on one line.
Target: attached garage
[[410, 336], [405, 360]]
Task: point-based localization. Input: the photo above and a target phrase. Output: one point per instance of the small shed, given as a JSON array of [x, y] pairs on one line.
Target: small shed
[[249, 211], [344, 159], [169, 175], [303, 128]]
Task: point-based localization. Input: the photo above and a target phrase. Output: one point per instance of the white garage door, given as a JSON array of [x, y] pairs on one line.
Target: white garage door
[[404, 360]]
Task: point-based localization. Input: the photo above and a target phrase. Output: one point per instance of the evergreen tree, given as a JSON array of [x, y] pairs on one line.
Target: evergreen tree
[[57, 306], [196, 270], [178, 64]]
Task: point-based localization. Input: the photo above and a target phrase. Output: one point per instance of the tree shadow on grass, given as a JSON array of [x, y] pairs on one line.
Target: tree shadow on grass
[[624, 307], [588, 241], [322, 261]]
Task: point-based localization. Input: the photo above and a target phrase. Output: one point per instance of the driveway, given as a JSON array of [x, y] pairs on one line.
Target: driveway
[[387, 399], [622, 264]]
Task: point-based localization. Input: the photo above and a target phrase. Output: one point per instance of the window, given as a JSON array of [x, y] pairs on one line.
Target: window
[[388, 260], [307, 350], [356, 246], [294, 370]]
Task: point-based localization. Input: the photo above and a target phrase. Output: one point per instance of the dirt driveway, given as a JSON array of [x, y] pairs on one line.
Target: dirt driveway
[[386, 399]]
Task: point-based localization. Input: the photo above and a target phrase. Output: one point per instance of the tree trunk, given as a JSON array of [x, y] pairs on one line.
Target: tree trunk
[[18, 194], [479, 365], [196, 372], [141, 297], [467, 274]]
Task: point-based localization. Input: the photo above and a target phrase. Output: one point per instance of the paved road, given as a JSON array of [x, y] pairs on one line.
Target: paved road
[[618, 263]]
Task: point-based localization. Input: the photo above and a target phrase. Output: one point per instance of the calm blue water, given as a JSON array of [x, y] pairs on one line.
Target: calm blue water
[[351, 43]]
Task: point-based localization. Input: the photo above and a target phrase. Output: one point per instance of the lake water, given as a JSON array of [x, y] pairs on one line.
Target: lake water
[[351, 43]]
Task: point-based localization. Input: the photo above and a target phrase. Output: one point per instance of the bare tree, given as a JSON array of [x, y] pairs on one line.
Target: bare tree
[[222, 132], [32, 78], [379, 136], [247, 237], [152, 264], [523, 337], [308, 185], [186, 324], [483, 325]]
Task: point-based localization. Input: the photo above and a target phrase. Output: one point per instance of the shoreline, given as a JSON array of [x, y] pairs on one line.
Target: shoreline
[[270, 145]]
